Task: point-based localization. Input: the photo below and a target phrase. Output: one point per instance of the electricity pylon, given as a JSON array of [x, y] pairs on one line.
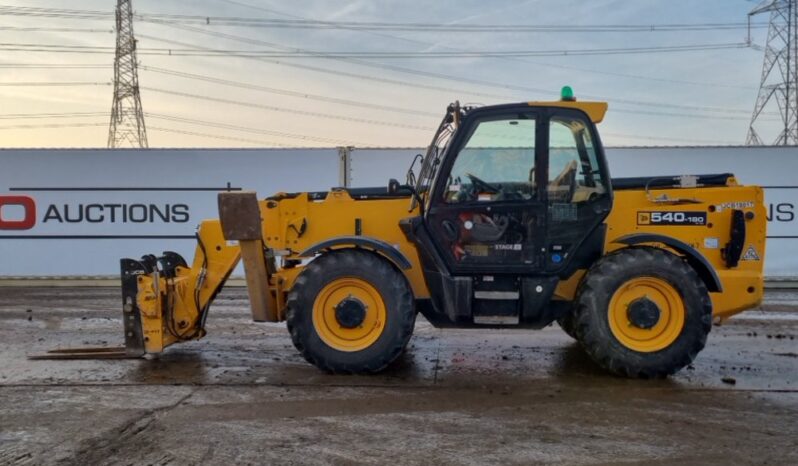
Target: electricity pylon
[[779, 80], [127, 117]]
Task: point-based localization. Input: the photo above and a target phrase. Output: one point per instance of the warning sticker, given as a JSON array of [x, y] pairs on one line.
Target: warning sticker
[[750, 254]]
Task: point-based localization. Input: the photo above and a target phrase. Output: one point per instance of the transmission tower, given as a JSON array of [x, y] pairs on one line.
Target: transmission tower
[[127, 117], [779, 81]]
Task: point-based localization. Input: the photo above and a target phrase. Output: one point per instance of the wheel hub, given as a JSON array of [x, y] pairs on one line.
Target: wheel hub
[[350, 313], [643, 313]]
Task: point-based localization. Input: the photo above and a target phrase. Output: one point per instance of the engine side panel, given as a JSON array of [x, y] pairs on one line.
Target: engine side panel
[[294, 224], [705, 223]]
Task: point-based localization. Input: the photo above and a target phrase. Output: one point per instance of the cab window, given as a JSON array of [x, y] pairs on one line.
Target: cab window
[[574, 173], [496, 163]]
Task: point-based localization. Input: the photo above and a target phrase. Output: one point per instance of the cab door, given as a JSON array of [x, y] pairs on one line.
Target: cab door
[[578, 192], [488, 211]]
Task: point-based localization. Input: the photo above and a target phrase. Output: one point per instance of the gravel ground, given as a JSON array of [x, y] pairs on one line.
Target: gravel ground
[[243, 395]]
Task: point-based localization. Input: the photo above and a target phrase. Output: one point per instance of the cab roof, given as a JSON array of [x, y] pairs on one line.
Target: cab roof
[[595, 110]]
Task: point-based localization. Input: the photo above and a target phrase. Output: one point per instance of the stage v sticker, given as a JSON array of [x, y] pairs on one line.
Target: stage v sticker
[[686, 218]]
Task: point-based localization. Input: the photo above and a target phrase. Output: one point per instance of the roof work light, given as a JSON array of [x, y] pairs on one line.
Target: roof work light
[[567, 94]]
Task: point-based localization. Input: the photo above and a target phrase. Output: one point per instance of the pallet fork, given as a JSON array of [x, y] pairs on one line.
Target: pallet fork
[[164, 301]]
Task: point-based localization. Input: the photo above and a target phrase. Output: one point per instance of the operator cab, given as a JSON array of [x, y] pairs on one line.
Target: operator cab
[[513, 200]]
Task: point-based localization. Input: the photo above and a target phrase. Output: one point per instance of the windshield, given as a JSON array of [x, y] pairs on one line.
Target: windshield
[[435, 151]]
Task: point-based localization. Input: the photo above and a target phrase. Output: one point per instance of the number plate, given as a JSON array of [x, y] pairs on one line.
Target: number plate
[[686, 218]]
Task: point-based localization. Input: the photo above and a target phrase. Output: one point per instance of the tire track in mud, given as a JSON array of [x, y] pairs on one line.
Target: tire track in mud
[[97, 450], [16, 455]]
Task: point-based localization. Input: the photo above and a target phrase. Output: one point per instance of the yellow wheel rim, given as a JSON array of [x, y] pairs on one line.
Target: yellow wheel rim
[[670, 321], [343, 337]]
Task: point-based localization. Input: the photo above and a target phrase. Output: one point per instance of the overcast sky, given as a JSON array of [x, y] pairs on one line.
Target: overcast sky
[[683, 98]]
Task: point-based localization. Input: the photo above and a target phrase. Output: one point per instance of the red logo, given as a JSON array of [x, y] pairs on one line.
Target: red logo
[[27, 222]]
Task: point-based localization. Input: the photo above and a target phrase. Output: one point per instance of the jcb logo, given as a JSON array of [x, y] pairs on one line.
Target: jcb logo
[[28, 219]]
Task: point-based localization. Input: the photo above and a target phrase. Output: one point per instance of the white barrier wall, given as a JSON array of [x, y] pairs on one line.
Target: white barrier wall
[[76, 212], [86, 209]]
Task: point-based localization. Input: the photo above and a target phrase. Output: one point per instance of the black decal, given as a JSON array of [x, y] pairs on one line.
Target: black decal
[[112, 208], [52, 214], [99, 218], [785, 212], [164, 215], [134, 209], [180, 213], [683, 218], [77, 219]]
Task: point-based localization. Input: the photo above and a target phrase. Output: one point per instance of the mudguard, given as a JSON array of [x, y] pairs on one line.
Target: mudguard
[[694, 258]]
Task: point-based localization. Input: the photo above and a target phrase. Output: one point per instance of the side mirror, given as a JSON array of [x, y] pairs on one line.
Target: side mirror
[[393, 186]]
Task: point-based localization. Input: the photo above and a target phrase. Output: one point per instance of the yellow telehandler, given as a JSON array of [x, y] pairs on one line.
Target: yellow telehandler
[[511, 220]]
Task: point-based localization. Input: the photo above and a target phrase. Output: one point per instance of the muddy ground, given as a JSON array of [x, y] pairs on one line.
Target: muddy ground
[[243, 395]]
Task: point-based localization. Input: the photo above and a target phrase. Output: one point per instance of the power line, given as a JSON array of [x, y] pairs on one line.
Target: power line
[[519, 60], [288, 110], [342, 25], [302, 95], [372, 33], [375, 25], [408, 111], [172, 118], [215, 136], [608, 73], [24, 116], [87, 66], [431, 114], [458, 79], [638, 77], [52, 83], [231, 83], [667, 139], [7, 10], [398, 125], [60, 48], [54, 29], [683, 115], [272, 143], [251, 130], [299, 53], [450, 54], [680, 115], [339, 73], [437, 27], [52, 125]]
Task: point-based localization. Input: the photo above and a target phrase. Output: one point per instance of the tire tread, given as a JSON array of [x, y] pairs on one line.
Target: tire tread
[[593, 298], [299, 309]]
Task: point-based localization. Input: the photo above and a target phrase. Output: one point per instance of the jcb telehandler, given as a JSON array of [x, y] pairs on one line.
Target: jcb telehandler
[[511, 221]]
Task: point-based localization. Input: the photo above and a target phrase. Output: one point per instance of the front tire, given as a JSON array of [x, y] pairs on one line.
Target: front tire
[[350, 311], [643, 312], [567, 323]]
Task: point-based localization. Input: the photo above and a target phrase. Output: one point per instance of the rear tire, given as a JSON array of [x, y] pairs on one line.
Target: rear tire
[[643, 312], [350, 311]]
